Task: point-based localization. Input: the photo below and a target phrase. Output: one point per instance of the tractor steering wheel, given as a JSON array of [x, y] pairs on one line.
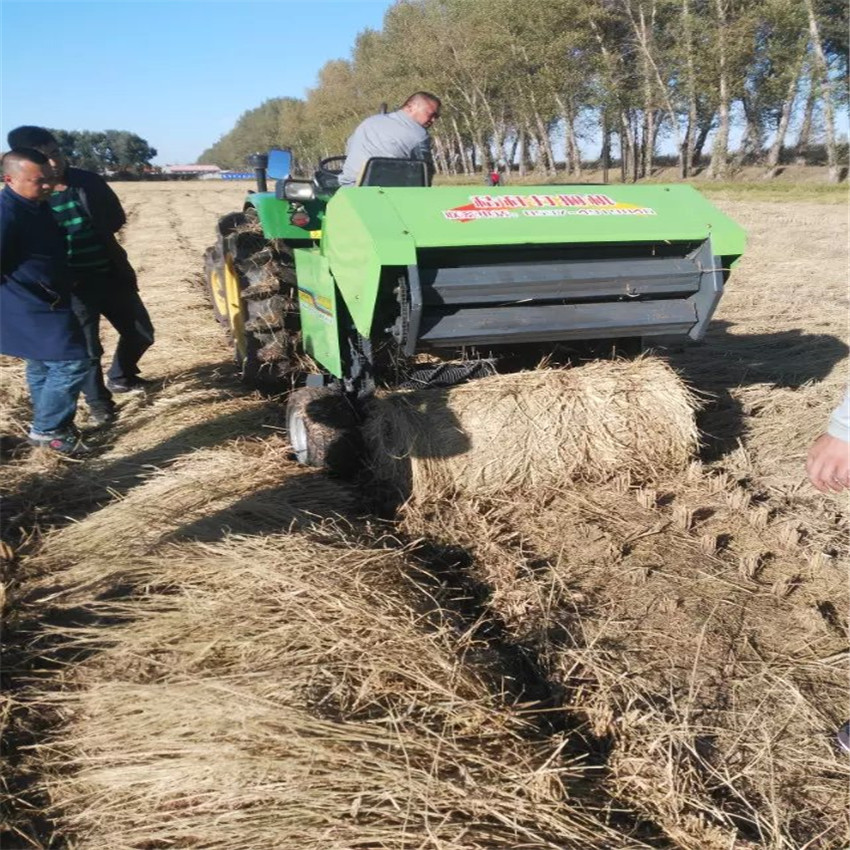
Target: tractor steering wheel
[[332, 165], [327, 174]]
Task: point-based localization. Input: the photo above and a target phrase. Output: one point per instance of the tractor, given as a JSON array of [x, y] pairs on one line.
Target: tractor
[[330, 293]]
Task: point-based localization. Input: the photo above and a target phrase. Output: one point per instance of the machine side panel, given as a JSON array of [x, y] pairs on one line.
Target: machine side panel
[[361, 234], [317, 309], [708, 296]]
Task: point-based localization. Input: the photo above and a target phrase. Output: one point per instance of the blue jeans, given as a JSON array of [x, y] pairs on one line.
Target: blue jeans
[[54, 389]]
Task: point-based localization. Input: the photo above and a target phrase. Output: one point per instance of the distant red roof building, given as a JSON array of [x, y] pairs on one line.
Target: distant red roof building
[[190, 169]]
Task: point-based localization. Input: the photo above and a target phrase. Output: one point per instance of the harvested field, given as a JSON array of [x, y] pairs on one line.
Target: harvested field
[[210, 647]]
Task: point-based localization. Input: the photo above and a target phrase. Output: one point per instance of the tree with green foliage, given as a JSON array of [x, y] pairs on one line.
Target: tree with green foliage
[[107, 151], [525, 82]]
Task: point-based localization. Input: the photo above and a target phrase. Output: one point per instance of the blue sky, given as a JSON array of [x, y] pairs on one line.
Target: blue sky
[[176, 72]]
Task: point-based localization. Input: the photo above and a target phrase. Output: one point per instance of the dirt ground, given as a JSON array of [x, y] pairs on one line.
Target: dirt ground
[[681, 646]]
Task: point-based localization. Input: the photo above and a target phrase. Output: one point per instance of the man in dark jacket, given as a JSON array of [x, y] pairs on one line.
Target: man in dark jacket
[[37, 323], [105, 283]]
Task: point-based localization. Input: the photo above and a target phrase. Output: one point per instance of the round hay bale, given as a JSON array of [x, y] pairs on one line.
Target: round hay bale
[[534, 429]]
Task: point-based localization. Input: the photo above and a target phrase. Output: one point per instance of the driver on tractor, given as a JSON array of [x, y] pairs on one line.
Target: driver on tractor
[[402, 134]]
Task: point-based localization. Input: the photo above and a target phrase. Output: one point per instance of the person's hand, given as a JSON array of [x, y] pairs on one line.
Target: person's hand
[[828, 464]]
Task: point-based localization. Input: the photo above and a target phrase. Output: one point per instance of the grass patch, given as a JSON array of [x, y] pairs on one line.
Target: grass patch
[[822, 193], [793, 184]]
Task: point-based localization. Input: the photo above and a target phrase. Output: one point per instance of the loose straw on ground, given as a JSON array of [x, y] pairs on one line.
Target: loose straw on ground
[[282, 692]]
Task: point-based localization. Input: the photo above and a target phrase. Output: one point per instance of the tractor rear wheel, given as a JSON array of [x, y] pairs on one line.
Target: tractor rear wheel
[[215, 285], [322, 429], [270, 332], [221, 285]]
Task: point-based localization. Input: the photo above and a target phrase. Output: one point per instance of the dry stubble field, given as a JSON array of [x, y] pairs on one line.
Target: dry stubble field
[[208, 646]]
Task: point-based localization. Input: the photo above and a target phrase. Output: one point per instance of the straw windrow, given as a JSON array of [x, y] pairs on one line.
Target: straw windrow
[[283, 692], [715, 687]]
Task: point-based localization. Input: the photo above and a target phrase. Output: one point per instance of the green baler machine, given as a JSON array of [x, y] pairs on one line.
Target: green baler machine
[[405, 285]]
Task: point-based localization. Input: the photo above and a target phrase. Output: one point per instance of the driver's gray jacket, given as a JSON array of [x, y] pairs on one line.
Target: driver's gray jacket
[[394, 135]]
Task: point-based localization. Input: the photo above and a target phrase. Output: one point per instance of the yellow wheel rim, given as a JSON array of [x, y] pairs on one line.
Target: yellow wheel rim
[[233, 307], [218, 294]]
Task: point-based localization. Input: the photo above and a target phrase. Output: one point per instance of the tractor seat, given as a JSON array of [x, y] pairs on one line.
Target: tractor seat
[[388, 172]]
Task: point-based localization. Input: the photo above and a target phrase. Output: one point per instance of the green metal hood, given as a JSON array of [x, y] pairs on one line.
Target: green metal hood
[[367, 228], [469, 215]]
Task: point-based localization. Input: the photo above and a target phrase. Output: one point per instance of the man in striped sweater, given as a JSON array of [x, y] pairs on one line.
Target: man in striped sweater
[[90, 215]]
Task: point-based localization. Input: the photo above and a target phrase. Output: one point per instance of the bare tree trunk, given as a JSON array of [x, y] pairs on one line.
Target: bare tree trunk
[[784, 120], [656, 125], [636, 147], [573, 148], [605, 153], [703, 129], [459, 156], [514, 148], [652, 119], [628, 148], [461, 147], [450, 155], [568, 150], [826, 95], [479, 144], [474, 97], [686, 149], [637, 134], [537, 154], [622, 138], [647, 149], [523, 152], [440, 162], [752, 140], [645, 36], [720, 149], [608, 109], [547, 155], [573, 155], [804, 136], [498, 138]]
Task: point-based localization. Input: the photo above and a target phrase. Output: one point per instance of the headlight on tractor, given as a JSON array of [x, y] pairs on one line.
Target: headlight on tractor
[[298, 190]]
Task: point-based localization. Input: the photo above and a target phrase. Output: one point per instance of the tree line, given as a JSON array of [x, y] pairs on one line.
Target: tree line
[[108, 151], [526, 82]]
